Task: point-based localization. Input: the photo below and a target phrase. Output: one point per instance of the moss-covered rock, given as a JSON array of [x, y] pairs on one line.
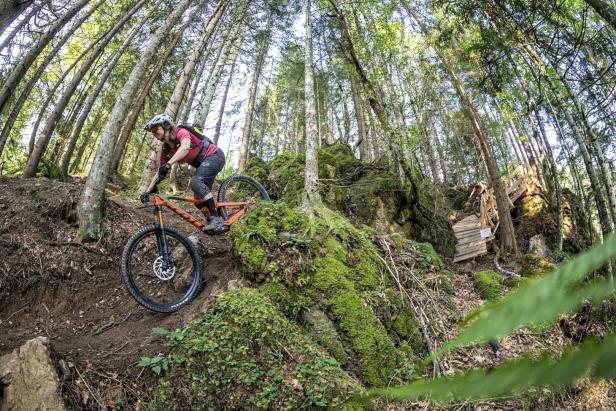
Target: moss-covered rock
[[534, 265], [535, 214], [258, 169], [578, 230], [367, 194], [322, 265], [488, 284], [245, 353]]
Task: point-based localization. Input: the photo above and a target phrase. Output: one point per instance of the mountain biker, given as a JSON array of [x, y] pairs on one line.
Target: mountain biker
[[182, 146]]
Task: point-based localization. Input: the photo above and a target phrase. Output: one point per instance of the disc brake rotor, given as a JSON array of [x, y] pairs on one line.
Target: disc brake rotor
[[162, 273]]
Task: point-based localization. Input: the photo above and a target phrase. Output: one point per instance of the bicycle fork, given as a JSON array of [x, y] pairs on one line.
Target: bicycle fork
[[161, 238]]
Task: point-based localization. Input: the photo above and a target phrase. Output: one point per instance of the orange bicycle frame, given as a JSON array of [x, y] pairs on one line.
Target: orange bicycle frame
[[163, 202]]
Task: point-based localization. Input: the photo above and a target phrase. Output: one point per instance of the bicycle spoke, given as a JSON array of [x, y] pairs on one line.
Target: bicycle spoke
[[162, 282]]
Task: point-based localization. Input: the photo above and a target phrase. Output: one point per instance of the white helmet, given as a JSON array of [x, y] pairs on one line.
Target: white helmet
[[159, 119]]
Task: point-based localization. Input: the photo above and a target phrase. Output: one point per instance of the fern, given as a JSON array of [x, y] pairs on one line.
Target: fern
[[541, 300], [592, 359], [538, 302]]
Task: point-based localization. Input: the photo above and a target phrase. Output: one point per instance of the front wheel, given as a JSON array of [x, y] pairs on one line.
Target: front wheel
[[162, 283], [239, 189]]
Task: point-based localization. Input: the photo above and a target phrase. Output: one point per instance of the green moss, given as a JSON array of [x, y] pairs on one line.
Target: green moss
[[535, 266], [426, 255], [244, 353], [517, 282], [398, 240], [359, 326], [334, 248], [326, 274], [487, 284], [323, 331], [398, 318], [366, 271]]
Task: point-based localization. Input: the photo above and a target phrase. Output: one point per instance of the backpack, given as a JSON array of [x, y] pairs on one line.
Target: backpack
[[205, 143]]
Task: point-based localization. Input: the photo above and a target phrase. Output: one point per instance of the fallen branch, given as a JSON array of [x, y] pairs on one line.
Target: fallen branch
[[116, 350], [499, 268], [420, 316], [109, 324], [89, 389], [17, 312]]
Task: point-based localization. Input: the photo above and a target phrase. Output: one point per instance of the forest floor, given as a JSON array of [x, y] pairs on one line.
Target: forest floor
[[51, 285]]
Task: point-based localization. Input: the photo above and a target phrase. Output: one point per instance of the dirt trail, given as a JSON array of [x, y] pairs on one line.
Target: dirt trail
[[74, 294]]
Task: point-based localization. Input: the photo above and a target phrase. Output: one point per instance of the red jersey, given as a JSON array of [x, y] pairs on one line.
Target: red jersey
[[181, 135]]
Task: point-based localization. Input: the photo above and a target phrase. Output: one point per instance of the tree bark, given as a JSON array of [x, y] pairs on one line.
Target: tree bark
[[212, 80], [605, 10], [25, 93], [311, 175], [83, 116], [10, 10], [223, 102], [139, 102], [10, 36], [18, 72], [180, 88], [56, 113], [86, 140], [360, 119], [254, 85], [91, 202]]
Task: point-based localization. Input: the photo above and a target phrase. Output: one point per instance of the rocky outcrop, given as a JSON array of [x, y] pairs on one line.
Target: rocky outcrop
[[28, 379]]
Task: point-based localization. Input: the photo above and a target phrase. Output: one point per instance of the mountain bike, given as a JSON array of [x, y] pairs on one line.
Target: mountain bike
[[160, 265]]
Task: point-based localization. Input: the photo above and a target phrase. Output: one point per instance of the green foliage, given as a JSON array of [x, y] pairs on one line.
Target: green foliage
[[538, 302], [366, 193], [326, 273], [157, 364], [487, 283], [554, 293], [594, 359], [244, 352]]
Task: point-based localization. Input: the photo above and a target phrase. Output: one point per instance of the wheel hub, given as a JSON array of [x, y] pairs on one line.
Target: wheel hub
[[162, 271]]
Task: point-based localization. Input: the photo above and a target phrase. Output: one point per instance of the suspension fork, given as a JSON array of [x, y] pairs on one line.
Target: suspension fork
[[161, 238]]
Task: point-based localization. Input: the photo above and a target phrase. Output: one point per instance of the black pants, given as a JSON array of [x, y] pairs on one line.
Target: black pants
[[201, 183]]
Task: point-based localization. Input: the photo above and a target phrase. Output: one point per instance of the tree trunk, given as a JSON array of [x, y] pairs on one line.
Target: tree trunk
[[10, 10], [362, 135], [56, 113], [140, 100], [507, 235], [18, 72], [311, 176], [86, 139], [223, 102], [180, 88], [600, 201], [83, 116], [23, 96], [214, 76], [605, 10], [173, 106], [254, 85], [25, 20], [393, 135], [556, 180], [91, 202]]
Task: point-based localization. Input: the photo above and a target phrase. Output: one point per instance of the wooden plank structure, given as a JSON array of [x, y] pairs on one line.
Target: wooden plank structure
[[475, 231]]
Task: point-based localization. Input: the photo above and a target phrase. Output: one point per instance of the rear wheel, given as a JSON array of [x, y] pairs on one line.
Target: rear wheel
[[237, 189], [159, 285]]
